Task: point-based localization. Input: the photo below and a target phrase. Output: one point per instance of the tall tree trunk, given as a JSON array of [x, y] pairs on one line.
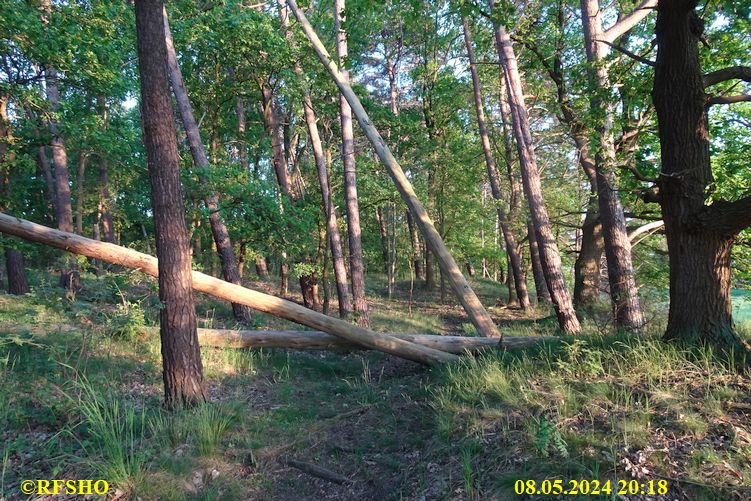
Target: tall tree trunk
[[417, 261], [242, 147], [323, 161], [512, 247], [219, 230], [625, 297], [69, 278], [469, 300], [549, 255], [356, 262], [699, 236], [541, 286], [43, 163], [14, 265], [587, 265], [271, 120], [181, 355], [105, 210]]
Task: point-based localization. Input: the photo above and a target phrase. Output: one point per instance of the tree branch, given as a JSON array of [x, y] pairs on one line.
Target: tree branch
[[630, 54], [630, 20], [728, 99], [728, 218], [729, 73]]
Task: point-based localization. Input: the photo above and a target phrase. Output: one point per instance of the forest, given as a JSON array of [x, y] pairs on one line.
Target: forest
[[356, 249]]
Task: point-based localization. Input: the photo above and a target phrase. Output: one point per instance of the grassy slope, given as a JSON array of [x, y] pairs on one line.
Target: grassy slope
[[80, 398]]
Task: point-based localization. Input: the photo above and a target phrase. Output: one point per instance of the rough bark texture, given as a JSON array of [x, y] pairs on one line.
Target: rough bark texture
[[181, 355], [356, 262], [469, 300], [224, 290], [587, 265], [219, 231], [14, 265], [623, 292], [699, 236], [549, 255], [513, 249]]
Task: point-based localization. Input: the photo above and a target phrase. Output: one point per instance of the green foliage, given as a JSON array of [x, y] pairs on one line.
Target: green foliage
[[127, 321]]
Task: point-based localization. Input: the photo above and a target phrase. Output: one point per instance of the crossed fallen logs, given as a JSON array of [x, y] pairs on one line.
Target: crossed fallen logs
[[335, 333]]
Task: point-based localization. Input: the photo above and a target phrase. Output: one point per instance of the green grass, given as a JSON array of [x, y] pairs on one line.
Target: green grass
[[87, 393]]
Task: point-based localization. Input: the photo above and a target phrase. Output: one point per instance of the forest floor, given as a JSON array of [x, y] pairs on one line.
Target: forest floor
[[80, 397]]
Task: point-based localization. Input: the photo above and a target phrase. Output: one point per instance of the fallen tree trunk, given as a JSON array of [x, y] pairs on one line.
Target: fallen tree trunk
[[467, 297], [282, 308], [317, 340]]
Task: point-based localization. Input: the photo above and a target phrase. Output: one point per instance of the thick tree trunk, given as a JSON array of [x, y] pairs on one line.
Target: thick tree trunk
[[625, 297], [587, 265], [699, 237], [549, 255], [317, 340], [223, 290], [417, 261], [14, 265], [181, 355], [219, 230], [356, 262], [512, 247], [472, 305]]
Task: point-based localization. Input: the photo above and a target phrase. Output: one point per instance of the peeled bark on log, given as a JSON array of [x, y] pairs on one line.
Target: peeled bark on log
[[472, 305], [223, 290], [317, 340]]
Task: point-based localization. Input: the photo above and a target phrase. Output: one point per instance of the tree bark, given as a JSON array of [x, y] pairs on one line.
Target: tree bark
[[262, 269], [541, 287], [80, 190], [384, 239], [512, 247], [549, 255], [181, 355], [699, 236], [223, 290], [623, 292], [356, 262], [219, 231], [14, 265], [104, 206], [472, 305], [317, 340]]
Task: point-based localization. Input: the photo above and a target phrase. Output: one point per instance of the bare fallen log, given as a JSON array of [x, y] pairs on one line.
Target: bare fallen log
[[317, 340], [318, 471], [282, 308]]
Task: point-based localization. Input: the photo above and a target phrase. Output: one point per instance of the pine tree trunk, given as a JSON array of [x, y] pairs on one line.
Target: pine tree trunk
[[219, 230], [14, 265], [356, 263], [181, 356], [625, 297], [699, 236], [549, 255], [512, 247]]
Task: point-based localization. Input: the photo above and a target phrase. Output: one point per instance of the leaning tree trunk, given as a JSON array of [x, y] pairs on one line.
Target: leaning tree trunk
[[356, 262], [699, 236], [469, 300], [181, 355], [322, 167], [625, 297], [512, 247], [219, 231], [224, 290], [549, 255]]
